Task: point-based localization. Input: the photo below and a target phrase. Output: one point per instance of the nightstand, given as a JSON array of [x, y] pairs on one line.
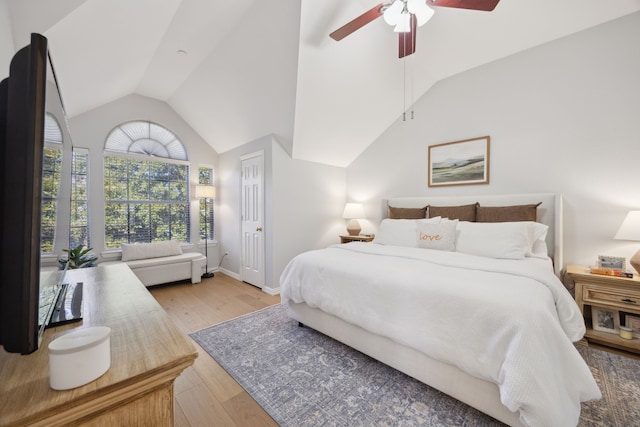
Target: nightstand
[[620, 294], [346, 238]]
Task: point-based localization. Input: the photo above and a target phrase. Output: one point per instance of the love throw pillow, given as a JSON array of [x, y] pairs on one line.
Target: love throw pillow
[[440, 236], [400, 232]]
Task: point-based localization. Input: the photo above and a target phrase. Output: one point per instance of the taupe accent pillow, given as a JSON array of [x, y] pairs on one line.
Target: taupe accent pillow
[[407, 213], [462, 213], [507, 213]]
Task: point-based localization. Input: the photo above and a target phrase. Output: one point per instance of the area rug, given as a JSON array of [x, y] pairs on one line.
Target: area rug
[[304, 378]]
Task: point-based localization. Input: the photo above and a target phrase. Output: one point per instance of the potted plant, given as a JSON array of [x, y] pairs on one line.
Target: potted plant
[[79, 257]]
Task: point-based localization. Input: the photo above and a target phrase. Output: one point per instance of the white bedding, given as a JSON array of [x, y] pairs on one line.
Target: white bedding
[[510, 322]]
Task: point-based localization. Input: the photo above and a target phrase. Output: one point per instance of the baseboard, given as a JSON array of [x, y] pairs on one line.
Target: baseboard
[[229, 273], [267, 290], [271, 291]]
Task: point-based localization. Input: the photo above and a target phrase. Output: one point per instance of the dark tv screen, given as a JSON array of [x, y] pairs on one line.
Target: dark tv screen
[[22, 96]]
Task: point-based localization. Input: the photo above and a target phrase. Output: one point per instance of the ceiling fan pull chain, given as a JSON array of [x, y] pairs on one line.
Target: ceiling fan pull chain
[[404, 89], [412, 86]]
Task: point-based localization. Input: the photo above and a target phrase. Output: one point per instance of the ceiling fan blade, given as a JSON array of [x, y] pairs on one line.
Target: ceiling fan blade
[[486, 5], [357, 23], [407, 41]]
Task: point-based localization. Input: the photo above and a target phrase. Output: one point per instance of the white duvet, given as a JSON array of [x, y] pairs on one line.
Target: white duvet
[[510, 322]]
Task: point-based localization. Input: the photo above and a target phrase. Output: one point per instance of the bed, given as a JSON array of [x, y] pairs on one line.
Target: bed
[[494, 331]]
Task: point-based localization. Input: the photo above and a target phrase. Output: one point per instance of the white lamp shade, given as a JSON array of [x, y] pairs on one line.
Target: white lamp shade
[[421, 10], [392, 14], [353, 210], [404, 24], [205, 192], [397, 16], [630, 228]]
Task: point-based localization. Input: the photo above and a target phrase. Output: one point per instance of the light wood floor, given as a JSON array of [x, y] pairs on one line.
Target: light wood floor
[[205, 395]]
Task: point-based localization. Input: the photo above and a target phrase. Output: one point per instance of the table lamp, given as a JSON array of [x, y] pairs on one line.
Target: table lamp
[[353, 211], [630, 230]]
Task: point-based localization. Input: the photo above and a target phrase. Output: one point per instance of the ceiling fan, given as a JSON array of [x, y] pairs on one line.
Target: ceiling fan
[[406, 16]]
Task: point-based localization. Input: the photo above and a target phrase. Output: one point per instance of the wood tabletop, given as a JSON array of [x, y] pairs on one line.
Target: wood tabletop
[[147, 350]]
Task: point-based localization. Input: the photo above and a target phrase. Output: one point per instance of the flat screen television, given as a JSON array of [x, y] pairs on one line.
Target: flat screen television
[[22, 118]]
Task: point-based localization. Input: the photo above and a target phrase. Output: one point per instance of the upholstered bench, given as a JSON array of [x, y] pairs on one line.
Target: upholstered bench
[[162, 262]]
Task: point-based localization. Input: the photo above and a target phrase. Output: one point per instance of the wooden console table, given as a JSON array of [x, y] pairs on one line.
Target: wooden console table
[[148, 352]]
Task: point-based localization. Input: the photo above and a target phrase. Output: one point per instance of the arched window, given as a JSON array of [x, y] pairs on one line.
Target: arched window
[[141, 137], [146, 184], [51, 168]]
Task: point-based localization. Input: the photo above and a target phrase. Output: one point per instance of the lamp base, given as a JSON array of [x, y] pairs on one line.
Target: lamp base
[[207, 275], [635, 262], [353, 227]]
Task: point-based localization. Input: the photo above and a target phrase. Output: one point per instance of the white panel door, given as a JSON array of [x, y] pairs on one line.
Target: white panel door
[[252, 267]]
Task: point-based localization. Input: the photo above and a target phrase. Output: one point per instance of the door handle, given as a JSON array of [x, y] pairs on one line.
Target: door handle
[[628, 300], [259, 229]]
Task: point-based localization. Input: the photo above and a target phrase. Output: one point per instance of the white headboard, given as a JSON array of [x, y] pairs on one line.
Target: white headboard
[[549, 212]]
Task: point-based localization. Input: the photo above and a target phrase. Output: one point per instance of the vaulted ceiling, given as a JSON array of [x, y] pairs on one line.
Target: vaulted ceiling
[[238, 70]]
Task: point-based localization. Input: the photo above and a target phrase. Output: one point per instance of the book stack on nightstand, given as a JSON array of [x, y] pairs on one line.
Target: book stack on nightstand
[[346, 238], [607, 303]]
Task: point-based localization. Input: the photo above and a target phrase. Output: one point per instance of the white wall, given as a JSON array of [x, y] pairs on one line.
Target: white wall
[[308, 200], [563, 117], [303, 204], [89, 130], [6, 40]]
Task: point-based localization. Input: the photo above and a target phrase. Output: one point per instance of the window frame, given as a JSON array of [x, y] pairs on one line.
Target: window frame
[[134, 206], [211, 235], [51, 199], [74, 201]]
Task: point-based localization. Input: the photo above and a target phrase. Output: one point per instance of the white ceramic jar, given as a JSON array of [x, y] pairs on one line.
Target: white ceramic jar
[[79, 357]]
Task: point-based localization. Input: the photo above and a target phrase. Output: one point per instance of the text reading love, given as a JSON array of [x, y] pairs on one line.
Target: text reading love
[[430, 237]]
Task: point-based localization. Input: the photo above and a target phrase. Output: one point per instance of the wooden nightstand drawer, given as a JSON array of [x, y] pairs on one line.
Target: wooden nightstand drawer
[[596, 295]]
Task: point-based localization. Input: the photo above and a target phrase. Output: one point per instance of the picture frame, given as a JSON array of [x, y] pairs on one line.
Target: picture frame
[[605, 261], [633, 322], [605, 320], [464, 162]]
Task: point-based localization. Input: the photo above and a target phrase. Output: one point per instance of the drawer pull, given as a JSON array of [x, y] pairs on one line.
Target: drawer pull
[[630, 301]]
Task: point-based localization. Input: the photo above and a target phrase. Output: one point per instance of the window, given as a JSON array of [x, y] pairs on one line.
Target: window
[[146, 199], [79, 221], [205, 176], [51, 167], [145, 138]]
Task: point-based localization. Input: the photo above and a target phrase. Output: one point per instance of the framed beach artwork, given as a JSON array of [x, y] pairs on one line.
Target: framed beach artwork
[[463, 162]]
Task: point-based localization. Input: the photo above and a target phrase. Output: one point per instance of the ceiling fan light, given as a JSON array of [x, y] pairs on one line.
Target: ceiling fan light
[[404, 24], [391, 14], [421, 10]]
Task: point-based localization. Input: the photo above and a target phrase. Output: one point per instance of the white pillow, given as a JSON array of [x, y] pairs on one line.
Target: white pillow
[[135, 251], [537, 238], [505, 240], [400, 232], [440, 236]]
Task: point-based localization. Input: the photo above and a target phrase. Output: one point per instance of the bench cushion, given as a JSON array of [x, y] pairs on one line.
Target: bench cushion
[[135, 251], [151, 262]]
